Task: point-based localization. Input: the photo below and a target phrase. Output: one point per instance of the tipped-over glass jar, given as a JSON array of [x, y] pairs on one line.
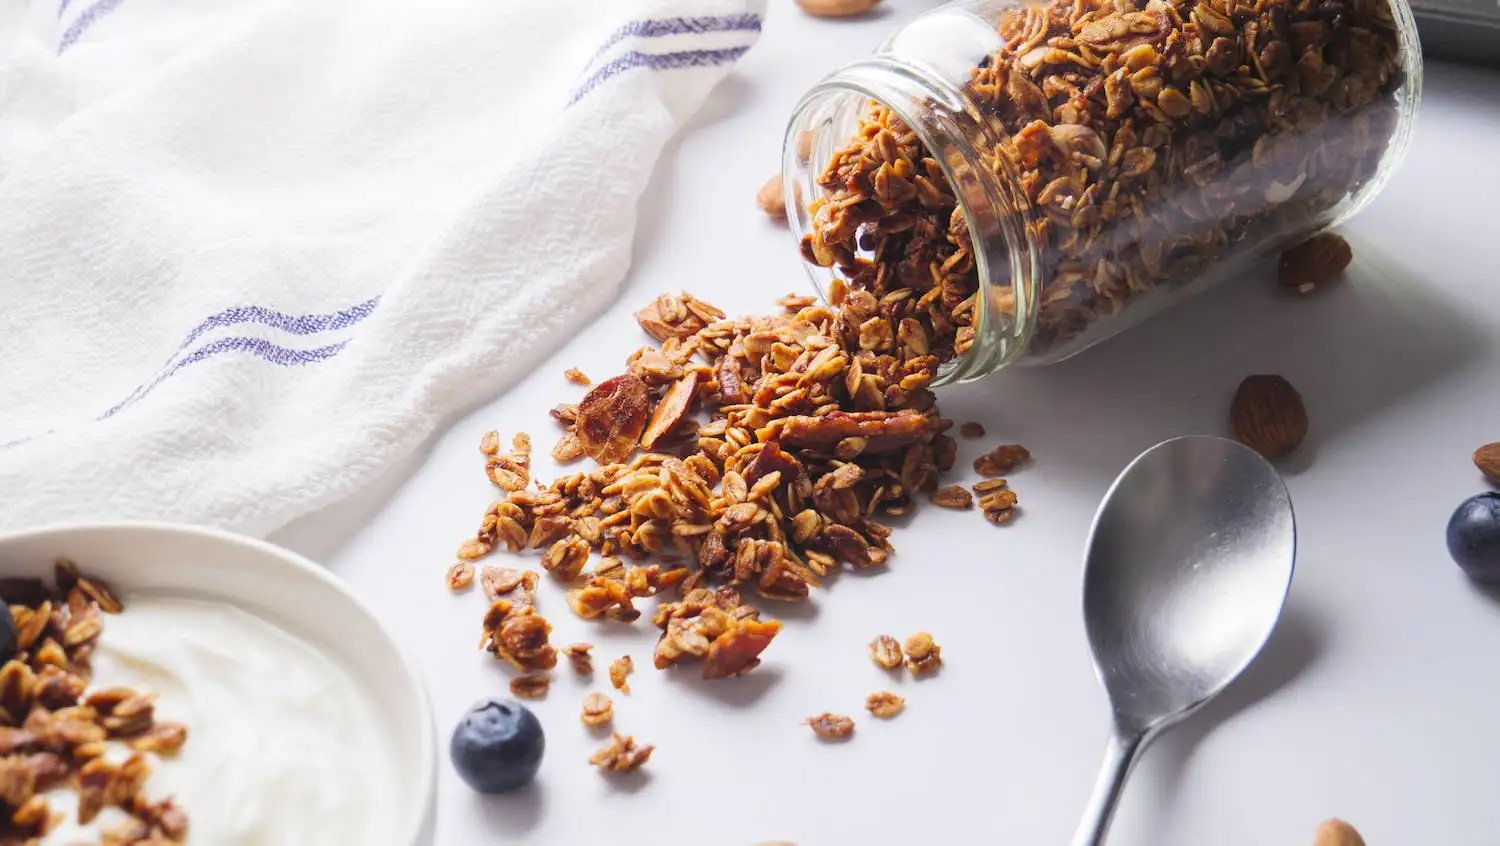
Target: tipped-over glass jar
[[1002, 183]]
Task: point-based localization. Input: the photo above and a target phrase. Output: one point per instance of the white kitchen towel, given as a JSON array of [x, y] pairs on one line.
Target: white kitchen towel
[[253, 251]]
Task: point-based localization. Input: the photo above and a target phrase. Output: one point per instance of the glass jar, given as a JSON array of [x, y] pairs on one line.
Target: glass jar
[[1003, 183]]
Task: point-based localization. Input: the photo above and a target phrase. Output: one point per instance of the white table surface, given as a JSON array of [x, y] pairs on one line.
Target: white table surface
[[1378, 698]]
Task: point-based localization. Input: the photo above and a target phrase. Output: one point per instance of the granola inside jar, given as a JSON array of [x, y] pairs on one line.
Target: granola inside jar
[[1004, 183]]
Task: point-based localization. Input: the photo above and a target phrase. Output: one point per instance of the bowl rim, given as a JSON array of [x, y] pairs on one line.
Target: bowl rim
[[421, 826]]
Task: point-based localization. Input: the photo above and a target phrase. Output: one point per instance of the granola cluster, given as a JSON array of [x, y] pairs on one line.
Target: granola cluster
[[621, 754], [756, 453], [54, 731], [1142, 141]]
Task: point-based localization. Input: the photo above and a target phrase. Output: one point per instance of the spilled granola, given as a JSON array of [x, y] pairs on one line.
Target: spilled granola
[[753, 454]]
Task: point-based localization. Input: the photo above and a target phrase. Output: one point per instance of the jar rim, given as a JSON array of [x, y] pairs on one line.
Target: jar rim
[[1006, 258]]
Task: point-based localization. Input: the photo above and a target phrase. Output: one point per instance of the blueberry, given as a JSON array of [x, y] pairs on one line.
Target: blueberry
[[1474, 537], [497, 746], [7, 634]]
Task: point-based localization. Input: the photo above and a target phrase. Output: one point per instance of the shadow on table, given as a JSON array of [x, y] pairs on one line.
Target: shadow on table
[[1381, 337], [1294, 648], [508, 815], [741, 692]]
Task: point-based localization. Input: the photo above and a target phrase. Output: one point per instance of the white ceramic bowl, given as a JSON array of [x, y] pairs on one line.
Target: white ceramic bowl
[[279, 586]]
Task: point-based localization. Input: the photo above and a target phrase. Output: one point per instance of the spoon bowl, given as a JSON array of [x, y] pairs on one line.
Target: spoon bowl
[[1187, 569]]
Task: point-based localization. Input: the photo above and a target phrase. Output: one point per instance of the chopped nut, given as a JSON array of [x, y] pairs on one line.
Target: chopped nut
[[830, 726], [598, 710], [1487, 459], [502, 582], [574, 375], [952, 496], [996, 501], [971, 429], [532, 686], [885, 704], [619, 671], [490, 443], [771, 200], [672, 410], [886, 652], [1268, 416], [922, 654], [578, 656], [1314, 263], [1336, 832], [1001, 460], [621, 754]]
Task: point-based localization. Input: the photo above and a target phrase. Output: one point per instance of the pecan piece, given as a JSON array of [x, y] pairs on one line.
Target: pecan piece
[[736, 651], [1001, 460], [882, 431], [533, 686], [886, 652]]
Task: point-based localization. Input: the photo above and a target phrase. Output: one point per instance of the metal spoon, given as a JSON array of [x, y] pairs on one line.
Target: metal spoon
[[1187, 568]]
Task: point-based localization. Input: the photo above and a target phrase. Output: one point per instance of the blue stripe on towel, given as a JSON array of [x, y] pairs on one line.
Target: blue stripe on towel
[[90, 16], [273, 353], [679, 26], [657, 62]]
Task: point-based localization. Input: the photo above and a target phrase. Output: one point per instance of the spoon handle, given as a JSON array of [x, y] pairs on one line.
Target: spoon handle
[[1119, 756]]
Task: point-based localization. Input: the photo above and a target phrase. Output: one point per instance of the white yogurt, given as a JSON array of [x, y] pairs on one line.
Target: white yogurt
[[284, 746]]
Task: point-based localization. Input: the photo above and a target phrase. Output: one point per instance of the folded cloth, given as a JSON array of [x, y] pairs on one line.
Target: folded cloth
[[256, 250]]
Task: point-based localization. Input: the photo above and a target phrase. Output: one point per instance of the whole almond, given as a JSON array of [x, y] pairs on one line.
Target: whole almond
[[1336, 832], [1267, 415], [836, 8], [1313, 263], [1487, 459], [771, 199]]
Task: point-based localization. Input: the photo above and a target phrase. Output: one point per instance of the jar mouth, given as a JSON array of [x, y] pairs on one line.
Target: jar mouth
[[1006, 261]]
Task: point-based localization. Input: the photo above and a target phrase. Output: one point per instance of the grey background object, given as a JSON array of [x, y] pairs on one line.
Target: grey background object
[[1459, 30]]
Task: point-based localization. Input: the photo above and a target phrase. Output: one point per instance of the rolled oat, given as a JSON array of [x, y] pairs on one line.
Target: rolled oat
[[620, 670], [598, 710]]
